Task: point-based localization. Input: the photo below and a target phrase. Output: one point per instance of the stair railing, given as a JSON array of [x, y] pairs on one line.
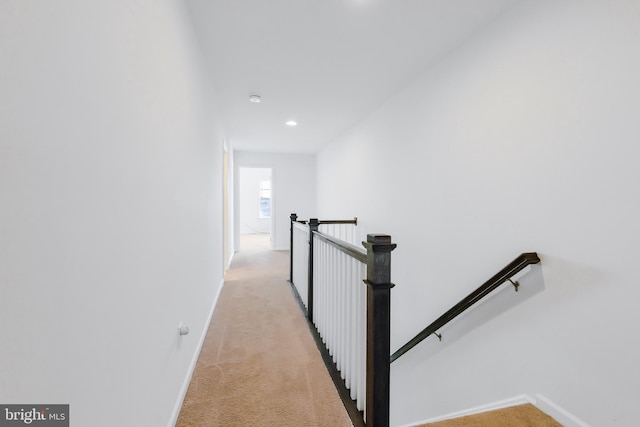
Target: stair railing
[[350, 321], [345, 319], [503, 276]]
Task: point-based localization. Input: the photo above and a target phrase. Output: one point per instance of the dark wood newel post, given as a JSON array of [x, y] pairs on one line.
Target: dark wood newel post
[[293, 217], [379, 286], [313, 226]]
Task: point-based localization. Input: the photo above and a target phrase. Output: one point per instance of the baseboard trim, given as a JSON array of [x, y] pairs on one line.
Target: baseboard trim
[[194, 360], [501, 404], [229, 262], [558, 413]]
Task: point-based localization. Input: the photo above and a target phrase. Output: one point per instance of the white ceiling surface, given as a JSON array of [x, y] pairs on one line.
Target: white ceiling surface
[[322, 63]]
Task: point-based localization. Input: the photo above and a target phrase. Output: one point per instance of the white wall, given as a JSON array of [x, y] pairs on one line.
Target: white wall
[[249, 200], [230, 185], [523, 139], [293, 189], [110, 218]]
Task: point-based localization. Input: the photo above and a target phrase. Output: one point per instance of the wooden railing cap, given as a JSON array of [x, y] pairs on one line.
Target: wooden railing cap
[[378, 238], [379, 243]]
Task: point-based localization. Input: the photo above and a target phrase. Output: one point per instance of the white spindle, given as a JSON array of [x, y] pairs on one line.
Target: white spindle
[[301, 260], [342, 305], [353, 342], [362, 343], [345, 314], [332, 303], [348, 327], [320, 290], [339, 301]]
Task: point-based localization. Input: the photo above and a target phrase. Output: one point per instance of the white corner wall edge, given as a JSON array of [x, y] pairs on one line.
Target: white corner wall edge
[[559, 414], [228, 266], [194, 360], [545, 405]]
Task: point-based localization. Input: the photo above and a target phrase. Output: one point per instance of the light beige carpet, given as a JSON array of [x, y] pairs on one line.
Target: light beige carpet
[[259, 365]]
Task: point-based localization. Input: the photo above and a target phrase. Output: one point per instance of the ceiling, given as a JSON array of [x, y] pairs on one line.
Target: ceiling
[[323, 63]]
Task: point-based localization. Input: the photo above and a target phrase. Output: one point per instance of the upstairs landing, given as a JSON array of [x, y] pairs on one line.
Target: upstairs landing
[[259, 365]]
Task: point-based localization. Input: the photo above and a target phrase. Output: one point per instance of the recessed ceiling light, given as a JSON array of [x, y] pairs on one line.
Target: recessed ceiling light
[[255, 98], [292, 123]]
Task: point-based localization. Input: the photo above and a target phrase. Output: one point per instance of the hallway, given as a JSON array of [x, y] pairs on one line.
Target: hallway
[[259, 365]]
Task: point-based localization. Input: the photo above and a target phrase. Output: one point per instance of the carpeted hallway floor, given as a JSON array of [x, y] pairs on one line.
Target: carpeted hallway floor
[[259, 365]]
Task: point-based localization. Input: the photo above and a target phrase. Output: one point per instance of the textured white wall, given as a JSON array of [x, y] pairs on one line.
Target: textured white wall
[[293, 189], [523, 139], [110, 218]]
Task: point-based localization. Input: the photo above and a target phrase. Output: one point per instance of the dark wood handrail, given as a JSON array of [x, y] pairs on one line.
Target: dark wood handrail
[[501, 277], [351, 250], [353, 221], [300, 224]]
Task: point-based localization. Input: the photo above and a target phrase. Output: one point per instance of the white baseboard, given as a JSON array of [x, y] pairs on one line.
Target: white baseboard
[[545, 405], [229, 263], [513, 401], [194, 360], [559, 414]]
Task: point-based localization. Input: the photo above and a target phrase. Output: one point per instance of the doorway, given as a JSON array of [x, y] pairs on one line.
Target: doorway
[[255, 207]]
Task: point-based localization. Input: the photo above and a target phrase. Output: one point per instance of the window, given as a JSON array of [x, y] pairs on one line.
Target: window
[[265, 199]]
